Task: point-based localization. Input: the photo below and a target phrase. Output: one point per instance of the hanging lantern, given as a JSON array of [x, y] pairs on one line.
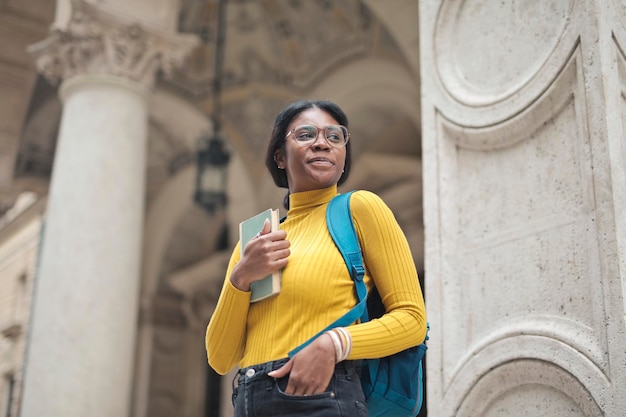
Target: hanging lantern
[[212, 155], [211, 177]]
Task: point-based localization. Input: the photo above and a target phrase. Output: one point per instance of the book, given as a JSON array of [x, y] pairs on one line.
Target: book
[[248, 229]]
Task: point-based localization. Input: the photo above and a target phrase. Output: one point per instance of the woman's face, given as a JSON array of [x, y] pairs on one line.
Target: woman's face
[[315, 165]]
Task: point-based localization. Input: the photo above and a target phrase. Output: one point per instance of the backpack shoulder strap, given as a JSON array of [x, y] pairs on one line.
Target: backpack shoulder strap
[[341, 228]]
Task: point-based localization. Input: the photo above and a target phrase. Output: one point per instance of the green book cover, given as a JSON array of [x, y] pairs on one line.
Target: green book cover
[[248, 229]]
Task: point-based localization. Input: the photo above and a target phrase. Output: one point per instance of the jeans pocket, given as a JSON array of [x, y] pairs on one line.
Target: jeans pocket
[[280, 385]]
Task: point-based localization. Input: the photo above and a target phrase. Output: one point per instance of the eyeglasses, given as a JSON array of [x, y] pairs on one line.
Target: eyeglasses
[[335, 135]]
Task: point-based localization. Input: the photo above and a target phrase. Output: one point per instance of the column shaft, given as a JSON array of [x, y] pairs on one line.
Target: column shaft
[[82, 342]]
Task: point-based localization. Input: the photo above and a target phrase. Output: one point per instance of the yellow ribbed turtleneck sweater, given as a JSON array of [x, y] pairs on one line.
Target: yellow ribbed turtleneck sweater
[[317, 289]]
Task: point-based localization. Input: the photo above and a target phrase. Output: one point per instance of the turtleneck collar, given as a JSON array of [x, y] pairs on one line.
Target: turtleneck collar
[[306, 201]]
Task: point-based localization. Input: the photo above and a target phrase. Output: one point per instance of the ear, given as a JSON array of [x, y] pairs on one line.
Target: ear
[[279, 158]]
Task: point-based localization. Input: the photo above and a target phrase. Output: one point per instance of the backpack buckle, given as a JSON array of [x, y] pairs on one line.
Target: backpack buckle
[[358, 272]]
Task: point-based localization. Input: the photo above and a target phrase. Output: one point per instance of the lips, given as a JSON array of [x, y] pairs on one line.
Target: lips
[[320, 160]]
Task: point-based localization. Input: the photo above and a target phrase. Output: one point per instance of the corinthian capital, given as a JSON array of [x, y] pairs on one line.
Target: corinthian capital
[[99, 42]]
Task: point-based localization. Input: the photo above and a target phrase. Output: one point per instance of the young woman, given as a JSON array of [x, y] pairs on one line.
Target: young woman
[[309, 154]]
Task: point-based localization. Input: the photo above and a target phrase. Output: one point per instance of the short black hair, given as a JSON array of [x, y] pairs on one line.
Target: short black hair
[[277, 140]]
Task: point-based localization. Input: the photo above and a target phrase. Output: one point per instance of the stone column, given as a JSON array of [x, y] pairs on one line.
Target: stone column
[[82, 338]]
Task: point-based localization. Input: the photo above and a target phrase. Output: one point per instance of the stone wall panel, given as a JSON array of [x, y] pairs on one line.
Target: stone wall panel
[[480, 46], [523, 211], [522, 191]]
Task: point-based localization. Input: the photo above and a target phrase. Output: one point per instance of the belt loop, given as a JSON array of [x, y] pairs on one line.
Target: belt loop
[[235, 388]]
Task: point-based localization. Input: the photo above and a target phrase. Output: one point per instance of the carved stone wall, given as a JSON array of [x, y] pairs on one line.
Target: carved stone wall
[[99, 42], [524, 189]]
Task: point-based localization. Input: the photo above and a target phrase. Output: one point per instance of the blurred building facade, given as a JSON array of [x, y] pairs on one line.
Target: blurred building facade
[[499, 126]]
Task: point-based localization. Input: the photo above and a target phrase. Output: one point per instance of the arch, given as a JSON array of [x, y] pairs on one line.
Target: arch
[[388, 83]]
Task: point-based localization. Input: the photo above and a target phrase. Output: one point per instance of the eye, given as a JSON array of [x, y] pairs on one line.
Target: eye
[[334, 134], [305, 132]]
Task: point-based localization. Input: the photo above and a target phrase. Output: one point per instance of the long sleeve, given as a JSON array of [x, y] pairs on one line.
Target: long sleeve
[[389, 263], [226, 332]]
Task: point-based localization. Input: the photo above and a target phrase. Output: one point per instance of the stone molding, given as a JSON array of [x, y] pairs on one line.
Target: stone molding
[[495, 87], [99, 42]]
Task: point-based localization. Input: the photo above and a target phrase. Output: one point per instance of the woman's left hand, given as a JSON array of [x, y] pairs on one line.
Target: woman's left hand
[[311, 369]]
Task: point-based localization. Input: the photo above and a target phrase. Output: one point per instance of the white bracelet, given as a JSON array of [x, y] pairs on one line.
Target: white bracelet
[[338, 348], [348, 338]]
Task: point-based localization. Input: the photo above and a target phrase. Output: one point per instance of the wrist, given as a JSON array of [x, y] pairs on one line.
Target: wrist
[[237, 281]]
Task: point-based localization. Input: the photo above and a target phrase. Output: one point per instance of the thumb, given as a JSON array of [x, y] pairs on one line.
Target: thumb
[[266, 227], [282, 371]]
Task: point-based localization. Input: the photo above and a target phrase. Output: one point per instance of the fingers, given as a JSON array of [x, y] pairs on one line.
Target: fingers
[[307, 382], [262, 256], [311, 370], [270, 250], [282, 371], [272, 245], [297, 385], [267, 243], [270, 236]]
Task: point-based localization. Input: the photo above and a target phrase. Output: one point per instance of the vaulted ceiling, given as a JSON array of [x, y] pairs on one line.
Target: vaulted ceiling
[[356, 52]]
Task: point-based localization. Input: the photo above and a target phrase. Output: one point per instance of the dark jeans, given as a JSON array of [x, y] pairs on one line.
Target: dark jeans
[[259, 395]]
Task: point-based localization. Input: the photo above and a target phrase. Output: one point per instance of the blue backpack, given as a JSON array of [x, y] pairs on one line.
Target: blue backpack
[[393, 385]]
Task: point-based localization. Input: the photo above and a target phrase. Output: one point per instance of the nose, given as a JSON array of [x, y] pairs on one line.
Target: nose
[[321, 144]]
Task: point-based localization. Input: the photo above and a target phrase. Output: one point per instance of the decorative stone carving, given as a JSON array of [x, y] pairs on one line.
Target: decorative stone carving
[[487, 53], [281, 42], [527, 384], [99, 42], [522, 205]]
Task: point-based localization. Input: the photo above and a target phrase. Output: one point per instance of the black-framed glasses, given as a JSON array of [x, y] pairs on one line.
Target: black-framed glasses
[[335, 135]]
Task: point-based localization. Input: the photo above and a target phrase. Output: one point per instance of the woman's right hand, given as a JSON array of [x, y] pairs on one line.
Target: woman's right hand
[[262, 256]]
